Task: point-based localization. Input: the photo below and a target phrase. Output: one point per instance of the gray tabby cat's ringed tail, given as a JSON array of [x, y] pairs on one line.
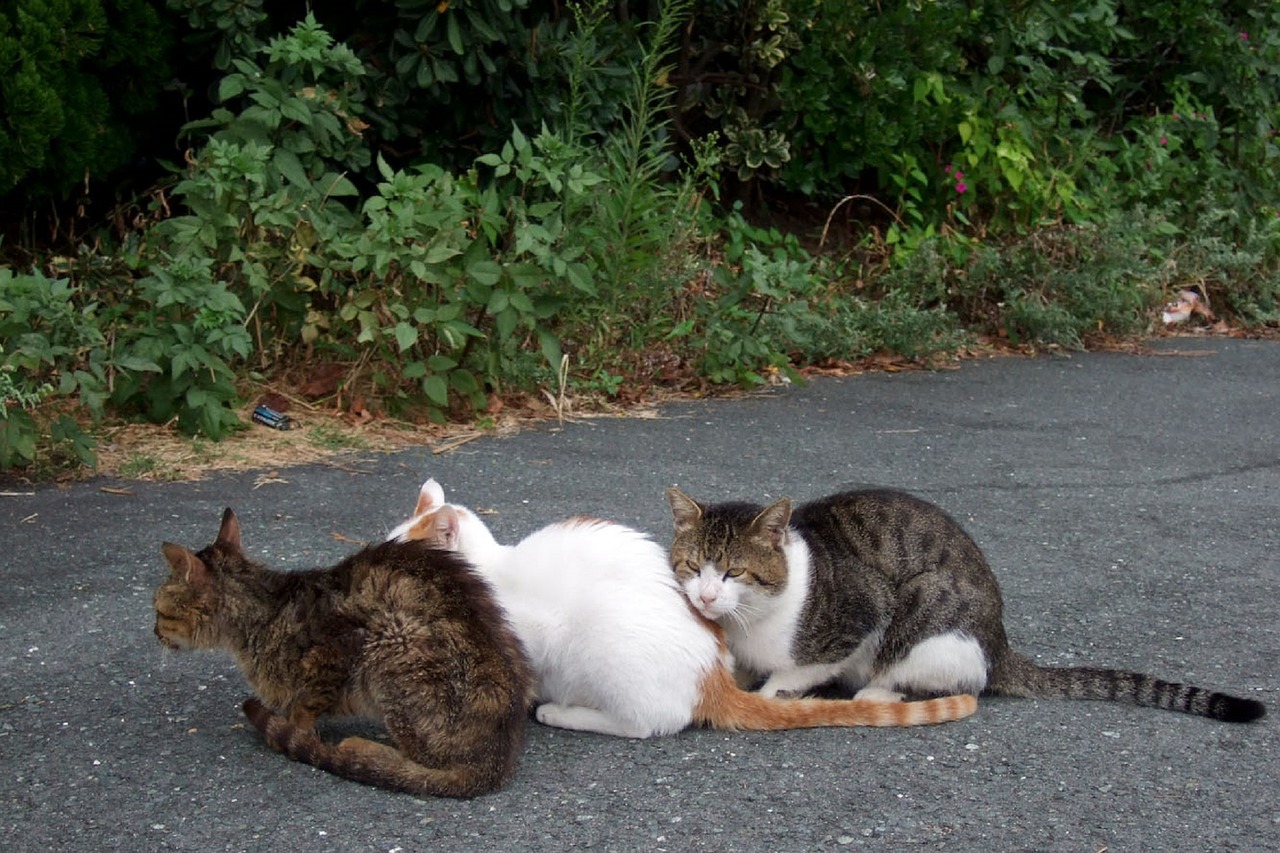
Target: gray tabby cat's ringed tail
[[1021, 677]]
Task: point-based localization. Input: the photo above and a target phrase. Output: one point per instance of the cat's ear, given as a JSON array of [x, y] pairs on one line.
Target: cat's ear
[[184, 564], [686, 511], [229, 532], [430, 495], [447, 528], [770, 526]]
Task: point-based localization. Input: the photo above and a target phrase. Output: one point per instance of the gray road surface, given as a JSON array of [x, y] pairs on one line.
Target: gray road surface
[[1130, 506]]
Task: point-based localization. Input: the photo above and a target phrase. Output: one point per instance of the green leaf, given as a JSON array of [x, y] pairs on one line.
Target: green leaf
[[526, 276], [385, 169], [441, 252], [406, 335], [454, 34], [441, 363], [138, 364], [505, 323], [336, 185], [288, 164], [231, 85], [550, 348], [436, 389], [297, 110], [487, 273], [498, 302], [579, 275], [464, 382]]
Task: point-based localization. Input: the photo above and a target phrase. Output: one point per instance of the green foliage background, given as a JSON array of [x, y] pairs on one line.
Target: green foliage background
[[461, 198]]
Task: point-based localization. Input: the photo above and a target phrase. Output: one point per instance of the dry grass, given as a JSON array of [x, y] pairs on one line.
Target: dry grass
[[150, 452]]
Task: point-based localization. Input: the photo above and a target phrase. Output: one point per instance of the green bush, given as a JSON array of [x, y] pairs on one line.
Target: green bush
[[79, 77], [459, 198], [51, 346]]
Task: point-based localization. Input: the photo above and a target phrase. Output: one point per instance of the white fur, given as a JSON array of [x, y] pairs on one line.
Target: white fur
[[945, 663], [606, 628], [760, 626]]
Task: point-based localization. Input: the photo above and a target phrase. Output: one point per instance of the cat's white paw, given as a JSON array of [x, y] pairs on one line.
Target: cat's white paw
[[878, 694], [587, 720]]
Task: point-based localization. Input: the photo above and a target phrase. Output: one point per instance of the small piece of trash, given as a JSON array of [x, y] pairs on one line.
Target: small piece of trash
[[269, 417], [1181, 309]]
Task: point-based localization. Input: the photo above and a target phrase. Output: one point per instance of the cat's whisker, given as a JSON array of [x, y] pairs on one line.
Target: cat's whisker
[[740, 619]]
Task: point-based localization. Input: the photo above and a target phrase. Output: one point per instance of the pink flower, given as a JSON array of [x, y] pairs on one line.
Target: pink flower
[[1164, 140], [959, 176], [948, 168], [1244, 36], [962, 188]]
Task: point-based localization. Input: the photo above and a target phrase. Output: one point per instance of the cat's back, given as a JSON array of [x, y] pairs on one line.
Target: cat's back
[[603, 617], [416, 577], [878, 524], [586, 572], [585, 552]]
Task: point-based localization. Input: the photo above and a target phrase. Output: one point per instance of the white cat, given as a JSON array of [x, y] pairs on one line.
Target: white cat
[[615, 645]]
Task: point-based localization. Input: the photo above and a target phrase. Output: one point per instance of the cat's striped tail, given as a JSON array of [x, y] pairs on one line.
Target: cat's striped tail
[[369, 762], [724, 705], [1019, 676]]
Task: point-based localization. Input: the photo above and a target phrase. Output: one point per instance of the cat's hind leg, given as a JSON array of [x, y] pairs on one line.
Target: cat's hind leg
[[582, 719], [947, 663]]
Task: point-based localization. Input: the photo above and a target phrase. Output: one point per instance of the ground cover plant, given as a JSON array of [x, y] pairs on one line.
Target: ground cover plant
[[427, 213]]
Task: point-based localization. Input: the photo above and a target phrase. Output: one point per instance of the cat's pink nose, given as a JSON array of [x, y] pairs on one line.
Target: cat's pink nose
[[707, 597]]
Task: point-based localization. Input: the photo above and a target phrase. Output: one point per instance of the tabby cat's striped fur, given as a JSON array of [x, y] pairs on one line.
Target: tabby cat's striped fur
[[402, 633], [884, 593]]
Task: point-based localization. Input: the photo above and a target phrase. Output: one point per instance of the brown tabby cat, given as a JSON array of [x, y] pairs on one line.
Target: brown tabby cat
[[884, 593], [399, 632]]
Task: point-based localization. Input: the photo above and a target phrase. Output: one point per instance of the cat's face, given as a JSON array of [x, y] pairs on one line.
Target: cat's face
[[728, 558], [187, 601]]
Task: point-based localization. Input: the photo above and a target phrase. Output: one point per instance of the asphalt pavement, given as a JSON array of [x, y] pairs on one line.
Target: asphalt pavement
[[1130, 506]]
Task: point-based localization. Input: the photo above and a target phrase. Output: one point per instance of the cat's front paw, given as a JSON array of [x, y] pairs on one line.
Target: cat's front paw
[[878, 694]]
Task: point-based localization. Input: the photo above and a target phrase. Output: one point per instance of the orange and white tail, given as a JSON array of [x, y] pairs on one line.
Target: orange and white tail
[[725, 705]]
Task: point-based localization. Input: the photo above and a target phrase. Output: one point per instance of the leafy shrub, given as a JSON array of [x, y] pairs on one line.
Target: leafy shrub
[[61, 121], [51, 345]]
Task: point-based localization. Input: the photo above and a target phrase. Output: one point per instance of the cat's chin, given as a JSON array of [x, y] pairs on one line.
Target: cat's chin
[[174, 644]]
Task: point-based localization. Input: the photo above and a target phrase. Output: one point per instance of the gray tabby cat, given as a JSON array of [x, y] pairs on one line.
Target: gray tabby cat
[[887, 595]]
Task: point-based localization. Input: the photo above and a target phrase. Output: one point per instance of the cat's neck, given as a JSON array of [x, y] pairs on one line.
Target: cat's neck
[[482, 550], [796, 551], [762, 641], [253, 599]]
